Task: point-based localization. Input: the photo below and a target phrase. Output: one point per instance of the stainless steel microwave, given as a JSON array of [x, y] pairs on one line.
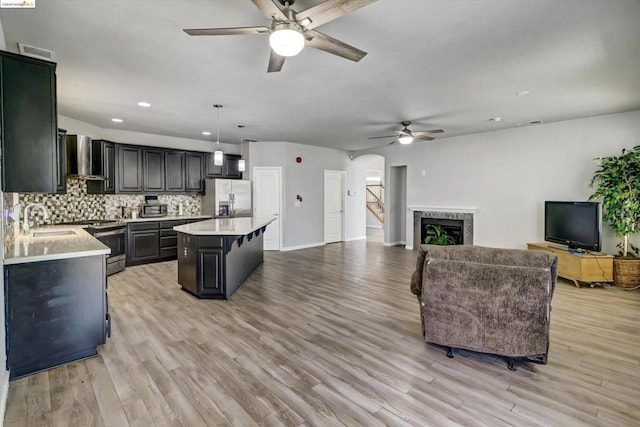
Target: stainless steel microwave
[[153, 210]]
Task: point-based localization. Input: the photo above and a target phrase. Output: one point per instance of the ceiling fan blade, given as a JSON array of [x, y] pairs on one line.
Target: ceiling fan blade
[[379, 137], [231, 31], [275, 62], [424, 132], [423, 137], [329, 10], [271, 9], [395, 141], [336, 47]]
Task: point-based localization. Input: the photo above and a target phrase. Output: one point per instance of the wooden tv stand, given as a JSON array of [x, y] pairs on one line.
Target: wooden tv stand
[[590, 267]]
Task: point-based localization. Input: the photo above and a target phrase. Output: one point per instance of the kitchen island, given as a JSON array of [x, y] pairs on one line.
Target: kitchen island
[[216, 256], [55, 298]]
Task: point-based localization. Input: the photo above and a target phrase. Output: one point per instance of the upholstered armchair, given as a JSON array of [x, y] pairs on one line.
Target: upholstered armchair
[[488, 300]]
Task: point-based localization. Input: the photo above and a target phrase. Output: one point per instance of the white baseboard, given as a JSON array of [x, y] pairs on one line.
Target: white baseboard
[[375, 226], [308, 245], [356, 238], [4, 392], [407, 247], [395, 243]]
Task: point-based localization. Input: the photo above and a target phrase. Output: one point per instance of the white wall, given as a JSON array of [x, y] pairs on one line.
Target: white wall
[[304, 225], [4, 374], [509, 174], [127, 137]]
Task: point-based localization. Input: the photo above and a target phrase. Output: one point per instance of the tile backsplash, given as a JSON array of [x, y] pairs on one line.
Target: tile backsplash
[[77, 205]]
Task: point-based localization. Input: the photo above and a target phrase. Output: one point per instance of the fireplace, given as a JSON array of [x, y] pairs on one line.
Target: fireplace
[[456, 223], [453, 228]]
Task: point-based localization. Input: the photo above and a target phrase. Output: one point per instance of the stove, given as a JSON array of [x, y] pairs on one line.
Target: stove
[[112, 233]]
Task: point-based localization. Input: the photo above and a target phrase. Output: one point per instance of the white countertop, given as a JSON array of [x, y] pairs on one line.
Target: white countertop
[[225, 226], [22, 249], [167, 218]]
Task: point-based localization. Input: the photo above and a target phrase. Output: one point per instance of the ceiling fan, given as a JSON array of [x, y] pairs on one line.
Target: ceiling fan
[[407, 136], [290, 31]]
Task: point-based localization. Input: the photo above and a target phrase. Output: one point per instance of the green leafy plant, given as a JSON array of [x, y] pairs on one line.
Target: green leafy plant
[[618, 185], [436, 235]]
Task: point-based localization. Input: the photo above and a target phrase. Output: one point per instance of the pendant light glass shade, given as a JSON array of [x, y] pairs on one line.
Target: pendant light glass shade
[[286, 40], [218, 156]]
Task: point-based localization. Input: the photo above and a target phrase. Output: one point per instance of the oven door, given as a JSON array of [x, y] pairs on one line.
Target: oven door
[[115, 239]]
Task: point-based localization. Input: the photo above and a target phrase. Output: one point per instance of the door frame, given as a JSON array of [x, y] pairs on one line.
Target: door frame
[[343, 232], [280, 213]]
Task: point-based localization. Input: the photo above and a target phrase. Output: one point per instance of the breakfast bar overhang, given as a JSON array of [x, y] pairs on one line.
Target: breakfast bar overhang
[[216, 256]]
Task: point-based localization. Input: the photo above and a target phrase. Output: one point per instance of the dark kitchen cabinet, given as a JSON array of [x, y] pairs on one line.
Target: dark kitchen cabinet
[[103, 162], [154, 170], [231, 166], [129, 169], [61, 161], [175, 171], [56, 312], [153, 241], [29, 133], [211, 170], [169, 239], [194, 176], [144, 242]]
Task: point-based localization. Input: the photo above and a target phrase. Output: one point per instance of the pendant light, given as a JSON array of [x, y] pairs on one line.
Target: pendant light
[[217, 154], [241, 165]]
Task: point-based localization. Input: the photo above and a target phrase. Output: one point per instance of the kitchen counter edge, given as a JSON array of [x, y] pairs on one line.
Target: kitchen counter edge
[[25, 249]]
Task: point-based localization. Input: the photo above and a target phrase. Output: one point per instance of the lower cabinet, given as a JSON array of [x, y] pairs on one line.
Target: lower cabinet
[[56, 312], [152, 241]]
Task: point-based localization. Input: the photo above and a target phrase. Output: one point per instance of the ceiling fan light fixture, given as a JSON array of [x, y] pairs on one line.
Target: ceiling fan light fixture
[[286, 40], [405, 139]]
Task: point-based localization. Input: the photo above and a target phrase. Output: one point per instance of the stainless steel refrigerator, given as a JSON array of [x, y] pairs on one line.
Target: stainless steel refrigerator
[[227, 198]]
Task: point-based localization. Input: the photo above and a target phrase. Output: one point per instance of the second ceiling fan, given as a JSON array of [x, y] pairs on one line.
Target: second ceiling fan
[[407, 136], [290, 31]]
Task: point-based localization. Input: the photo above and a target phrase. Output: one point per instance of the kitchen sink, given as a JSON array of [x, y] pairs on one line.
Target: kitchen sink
[[53, 233]]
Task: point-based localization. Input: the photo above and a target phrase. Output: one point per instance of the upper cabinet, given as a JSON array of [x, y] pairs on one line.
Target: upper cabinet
[[29, 133], [61, 162], [175, 175], [153, 170], [228, 169], [103, 162], [129, 169], [194, 177]]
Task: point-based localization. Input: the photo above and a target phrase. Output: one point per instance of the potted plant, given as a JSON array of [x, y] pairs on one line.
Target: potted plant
[[436, 235], [618, 185]]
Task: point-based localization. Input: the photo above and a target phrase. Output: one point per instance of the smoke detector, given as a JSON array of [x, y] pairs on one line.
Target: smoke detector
[[37, 52]]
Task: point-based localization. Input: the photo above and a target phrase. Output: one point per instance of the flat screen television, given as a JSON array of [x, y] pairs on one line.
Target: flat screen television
[[575, 224]]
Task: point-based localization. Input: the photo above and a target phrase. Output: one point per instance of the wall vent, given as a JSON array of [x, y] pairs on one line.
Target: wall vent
[[37, 52]]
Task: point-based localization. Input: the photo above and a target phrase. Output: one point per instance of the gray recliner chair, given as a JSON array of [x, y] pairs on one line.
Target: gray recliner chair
[[488, 300]]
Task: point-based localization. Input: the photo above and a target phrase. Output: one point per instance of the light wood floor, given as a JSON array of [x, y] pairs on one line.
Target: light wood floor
[[330, 336]]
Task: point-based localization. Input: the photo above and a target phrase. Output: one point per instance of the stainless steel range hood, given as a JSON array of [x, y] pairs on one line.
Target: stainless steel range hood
[[80, 160]]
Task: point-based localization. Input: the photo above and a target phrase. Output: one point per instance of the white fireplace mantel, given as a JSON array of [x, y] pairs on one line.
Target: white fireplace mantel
[[412, 208]]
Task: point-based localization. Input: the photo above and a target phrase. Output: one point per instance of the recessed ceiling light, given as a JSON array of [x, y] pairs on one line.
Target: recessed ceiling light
[[207, 133], [144, 104], [523, 93], [496, 119], [117, 120]]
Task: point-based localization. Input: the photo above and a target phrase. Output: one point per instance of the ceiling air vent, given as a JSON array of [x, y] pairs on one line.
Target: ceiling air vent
[[37, 52]]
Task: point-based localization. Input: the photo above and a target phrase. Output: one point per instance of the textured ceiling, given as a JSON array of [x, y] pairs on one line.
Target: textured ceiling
[[450, 64]]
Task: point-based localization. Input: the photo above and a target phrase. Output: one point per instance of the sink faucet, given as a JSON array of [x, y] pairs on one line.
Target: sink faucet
[[25, 216]]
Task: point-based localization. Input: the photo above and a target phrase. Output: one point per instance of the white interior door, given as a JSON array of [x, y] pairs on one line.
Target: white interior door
[[334, 191], [267, 201]]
